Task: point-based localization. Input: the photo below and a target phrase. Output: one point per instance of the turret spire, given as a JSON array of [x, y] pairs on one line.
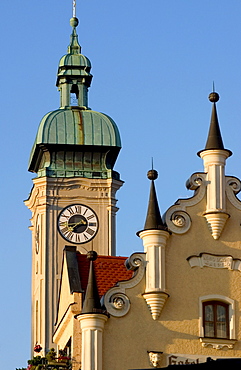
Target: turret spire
[[214, 139], [92, 299], [74, 77], [74, 46], [153, 217]]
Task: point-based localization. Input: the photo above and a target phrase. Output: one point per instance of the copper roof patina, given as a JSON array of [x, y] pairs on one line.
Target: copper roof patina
[[73, 126], [74, 129]]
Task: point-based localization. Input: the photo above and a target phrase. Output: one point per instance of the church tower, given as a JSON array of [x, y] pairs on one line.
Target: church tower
[[73, 199]]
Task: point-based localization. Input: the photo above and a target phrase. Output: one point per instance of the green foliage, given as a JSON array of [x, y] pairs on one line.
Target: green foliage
[[41, 363], [37, 360], [51, 355]]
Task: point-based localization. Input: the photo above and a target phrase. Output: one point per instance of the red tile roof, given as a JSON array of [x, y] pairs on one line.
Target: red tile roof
[[108, 271]]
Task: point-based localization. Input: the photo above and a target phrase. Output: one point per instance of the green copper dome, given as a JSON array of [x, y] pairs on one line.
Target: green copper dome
[[73, 130], [73, 126], [74, 141], [72, 61]]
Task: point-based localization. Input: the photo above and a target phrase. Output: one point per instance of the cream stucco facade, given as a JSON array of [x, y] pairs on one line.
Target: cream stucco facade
[[158, 317]]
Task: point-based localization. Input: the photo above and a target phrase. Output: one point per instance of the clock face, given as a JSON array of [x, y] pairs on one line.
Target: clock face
[[78, 223]]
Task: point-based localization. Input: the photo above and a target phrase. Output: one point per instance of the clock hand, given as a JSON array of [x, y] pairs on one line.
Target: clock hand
[[77, 223], [71, 226], [81, 222], [73, 223]]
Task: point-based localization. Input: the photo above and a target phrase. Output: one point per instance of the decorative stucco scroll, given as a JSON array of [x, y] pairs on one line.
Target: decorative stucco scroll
[[181, 222], [233, 187], [116, 301], [215, 261], [177, 219]]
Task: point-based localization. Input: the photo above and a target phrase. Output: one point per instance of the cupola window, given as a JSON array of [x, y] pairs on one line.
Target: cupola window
[[74, 95]]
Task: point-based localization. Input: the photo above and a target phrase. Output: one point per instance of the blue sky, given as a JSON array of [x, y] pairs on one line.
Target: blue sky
[[154, 63]]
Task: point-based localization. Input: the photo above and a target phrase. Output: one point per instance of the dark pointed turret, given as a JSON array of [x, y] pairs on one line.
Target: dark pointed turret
[[92, 299], [214, 140], [153, 217]]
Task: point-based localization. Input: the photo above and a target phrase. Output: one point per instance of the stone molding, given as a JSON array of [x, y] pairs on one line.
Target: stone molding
[[217, 343], [216, 222], [155, 302], [47, 188], [215, 261]]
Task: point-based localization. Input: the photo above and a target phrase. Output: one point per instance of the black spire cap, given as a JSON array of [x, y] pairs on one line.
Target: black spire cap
[[214, 140], [92, 299], [153, 217]]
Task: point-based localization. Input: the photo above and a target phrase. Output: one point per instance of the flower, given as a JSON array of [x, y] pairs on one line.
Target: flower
[[37, 348]]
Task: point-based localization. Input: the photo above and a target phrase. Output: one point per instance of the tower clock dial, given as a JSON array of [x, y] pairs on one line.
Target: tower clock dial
[[78, 223]]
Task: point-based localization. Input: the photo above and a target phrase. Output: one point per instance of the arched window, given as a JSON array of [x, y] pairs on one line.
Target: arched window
[[216, 319], [74, 95]]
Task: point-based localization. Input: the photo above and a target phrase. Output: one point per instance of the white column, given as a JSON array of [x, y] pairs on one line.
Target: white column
[[154, 242], [214, 165], [92, 326]]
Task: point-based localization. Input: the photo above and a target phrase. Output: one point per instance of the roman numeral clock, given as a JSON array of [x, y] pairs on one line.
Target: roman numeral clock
[[78, 223]]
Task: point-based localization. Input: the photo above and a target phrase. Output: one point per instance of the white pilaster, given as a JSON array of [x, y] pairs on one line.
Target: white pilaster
[[214, 165], [154, 242], [92, 326]]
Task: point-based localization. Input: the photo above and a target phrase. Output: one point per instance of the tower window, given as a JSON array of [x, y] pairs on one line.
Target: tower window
[[74, 95], [216, 319]]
